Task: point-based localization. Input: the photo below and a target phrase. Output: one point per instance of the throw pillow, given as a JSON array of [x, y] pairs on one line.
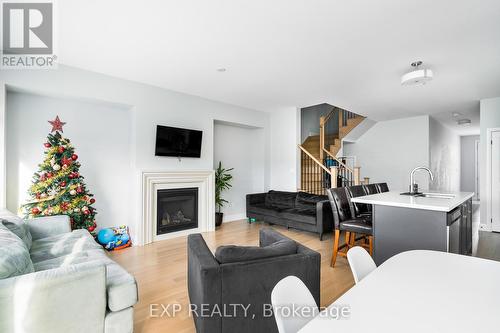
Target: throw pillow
[[19, 228], [14, 256]]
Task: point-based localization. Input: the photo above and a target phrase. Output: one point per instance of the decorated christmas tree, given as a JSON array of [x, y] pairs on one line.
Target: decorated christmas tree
[[58, 187]]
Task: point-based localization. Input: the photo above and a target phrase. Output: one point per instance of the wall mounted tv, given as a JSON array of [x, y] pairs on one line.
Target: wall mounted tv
[[177, 142]]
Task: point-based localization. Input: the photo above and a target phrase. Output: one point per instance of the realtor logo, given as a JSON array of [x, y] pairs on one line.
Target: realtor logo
[[27, 35]]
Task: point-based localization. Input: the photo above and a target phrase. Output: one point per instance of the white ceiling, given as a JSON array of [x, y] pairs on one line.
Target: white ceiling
[[451, 121], [293, 53]]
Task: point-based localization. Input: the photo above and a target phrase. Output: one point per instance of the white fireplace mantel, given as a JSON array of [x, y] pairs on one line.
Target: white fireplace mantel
[[154, 181]]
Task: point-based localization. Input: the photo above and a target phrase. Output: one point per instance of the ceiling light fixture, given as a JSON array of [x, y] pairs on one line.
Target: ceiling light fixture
[[417, 76], [464, 122], [221, 70], [456, 114]]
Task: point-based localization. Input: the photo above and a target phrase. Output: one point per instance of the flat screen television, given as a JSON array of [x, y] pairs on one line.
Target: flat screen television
[[177, 142]]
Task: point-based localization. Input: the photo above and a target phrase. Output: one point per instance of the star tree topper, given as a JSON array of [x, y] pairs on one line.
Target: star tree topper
[[57, 125]]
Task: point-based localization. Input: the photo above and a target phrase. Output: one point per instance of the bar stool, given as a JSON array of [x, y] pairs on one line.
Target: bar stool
[[359, 209], [371, 189], [382, 187], [345, 221]]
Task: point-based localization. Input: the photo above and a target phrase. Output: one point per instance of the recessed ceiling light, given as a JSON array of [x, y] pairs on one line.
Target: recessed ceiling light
[[221, 70], [456, 114], [464, 122], [417, 76]]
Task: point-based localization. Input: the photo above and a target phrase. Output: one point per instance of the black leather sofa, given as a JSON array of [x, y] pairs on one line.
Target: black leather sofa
[[214, 284], [298, 210]]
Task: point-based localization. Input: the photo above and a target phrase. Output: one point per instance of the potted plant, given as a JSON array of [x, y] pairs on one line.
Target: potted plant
[[222, 182]]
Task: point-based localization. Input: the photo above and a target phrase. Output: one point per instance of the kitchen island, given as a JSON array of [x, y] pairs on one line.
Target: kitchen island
[[435, 221]]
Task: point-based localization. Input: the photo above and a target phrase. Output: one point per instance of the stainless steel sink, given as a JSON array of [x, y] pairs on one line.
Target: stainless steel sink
[[430, 195], [438, 195]]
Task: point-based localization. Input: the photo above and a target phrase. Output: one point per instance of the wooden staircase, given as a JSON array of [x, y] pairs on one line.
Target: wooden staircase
[[347, 122], [319, 162], [312, 145]]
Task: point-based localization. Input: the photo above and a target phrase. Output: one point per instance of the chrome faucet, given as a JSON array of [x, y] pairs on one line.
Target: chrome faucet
[[413, 185]]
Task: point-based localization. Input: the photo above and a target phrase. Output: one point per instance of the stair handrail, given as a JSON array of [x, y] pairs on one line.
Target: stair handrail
[[323, 120], [341, 171], [338, 161], [314, 159]]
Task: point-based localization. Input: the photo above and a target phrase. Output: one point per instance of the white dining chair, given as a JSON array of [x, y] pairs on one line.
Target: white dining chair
[[288, 294], [361, 263]]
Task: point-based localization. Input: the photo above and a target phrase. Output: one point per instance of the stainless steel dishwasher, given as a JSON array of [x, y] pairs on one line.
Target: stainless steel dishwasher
[[453, 230]]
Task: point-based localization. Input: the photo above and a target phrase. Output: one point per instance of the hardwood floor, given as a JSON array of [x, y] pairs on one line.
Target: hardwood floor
[[161, 272], [488, 246]]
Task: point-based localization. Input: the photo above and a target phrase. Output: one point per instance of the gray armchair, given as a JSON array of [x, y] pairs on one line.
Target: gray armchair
[[249, 283]]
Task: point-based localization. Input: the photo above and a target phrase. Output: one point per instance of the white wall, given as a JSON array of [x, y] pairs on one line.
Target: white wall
[[359, 130], [285, 136], [100, 135], [150, 106], [444, 150], [468, 163], [309, 119], [490, 118], [389, 150], [240, 148], [3, 163]]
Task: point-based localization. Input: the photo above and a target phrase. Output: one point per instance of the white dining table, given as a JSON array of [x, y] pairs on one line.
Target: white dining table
[[420, 291]]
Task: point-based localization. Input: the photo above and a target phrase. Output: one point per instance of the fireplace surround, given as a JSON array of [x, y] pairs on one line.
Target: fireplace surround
[[154, 183]]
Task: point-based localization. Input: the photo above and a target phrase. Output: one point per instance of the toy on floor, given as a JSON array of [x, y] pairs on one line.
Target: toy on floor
[[115, 238]]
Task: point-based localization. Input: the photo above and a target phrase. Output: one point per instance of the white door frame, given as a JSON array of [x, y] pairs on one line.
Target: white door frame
[[489, 187], [477, 148]]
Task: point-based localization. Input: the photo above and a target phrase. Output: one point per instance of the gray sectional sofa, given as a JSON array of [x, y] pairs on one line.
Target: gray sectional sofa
[[298, 210], [53, 280]]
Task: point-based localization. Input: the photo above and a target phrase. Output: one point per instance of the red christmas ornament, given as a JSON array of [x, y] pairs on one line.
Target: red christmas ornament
[[38, 195], [63, 184], [92, 200], [91, 228], [79, 189], [74, 157], [86, 212], [49, 174], [66, 161], [57, 125], [64, 206], [35, 211], [60, 150], [47, 145]]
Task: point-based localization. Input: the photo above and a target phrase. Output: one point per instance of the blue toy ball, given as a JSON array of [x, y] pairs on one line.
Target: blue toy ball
[[105, 236], [124, 238]]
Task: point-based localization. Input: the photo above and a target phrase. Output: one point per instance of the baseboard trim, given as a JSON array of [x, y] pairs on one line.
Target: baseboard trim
[[234, 217], [485, 227]]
